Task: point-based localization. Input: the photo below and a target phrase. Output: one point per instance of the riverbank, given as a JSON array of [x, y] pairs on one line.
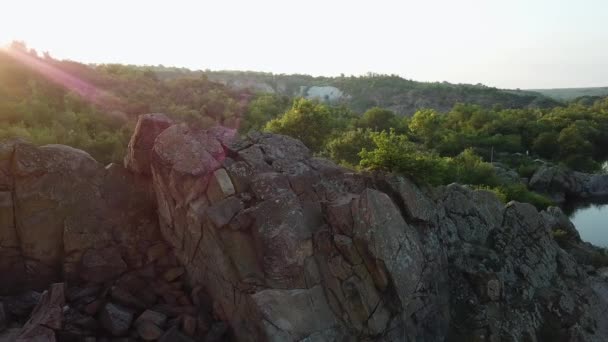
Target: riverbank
[[589, 218]]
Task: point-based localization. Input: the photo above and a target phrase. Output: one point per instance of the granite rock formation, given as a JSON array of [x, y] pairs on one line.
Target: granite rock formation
[[206, 235]]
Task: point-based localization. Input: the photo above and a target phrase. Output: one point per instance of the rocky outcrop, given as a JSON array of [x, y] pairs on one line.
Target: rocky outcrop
[[265, 242], [58, 205], [294, 248], [324, 93], [561, 184], [506, 175]]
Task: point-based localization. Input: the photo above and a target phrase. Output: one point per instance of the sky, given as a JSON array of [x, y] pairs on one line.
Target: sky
[[503, 43]]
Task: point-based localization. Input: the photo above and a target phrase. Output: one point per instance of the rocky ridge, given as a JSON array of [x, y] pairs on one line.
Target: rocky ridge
[[282, 246]]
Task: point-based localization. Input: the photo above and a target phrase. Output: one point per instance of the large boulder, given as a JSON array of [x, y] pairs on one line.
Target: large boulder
[[56, 203], [56, 190]]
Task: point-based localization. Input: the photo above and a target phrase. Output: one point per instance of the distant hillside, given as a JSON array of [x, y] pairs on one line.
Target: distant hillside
[[360, 93], [94, 107], [401, 95], [569, 94]]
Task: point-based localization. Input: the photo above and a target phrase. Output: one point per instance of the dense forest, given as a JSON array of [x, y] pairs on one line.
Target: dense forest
[[94, 107], [456, 146], [360, 93]]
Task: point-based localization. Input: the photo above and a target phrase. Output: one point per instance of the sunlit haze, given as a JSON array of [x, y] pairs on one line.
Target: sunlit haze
[[507, 44]]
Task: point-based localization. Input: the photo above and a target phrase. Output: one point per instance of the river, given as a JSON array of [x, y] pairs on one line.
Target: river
[[591, 221]]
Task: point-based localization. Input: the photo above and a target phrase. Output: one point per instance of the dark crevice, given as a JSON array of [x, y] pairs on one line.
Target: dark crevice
[[13, 190], [384, 186]]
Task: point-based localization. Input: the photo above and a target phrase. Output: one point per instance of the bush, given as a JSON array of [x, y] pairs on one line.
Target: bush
[[581, 163], [469, 168], [519, 193], [308, 121], [527, 170], [346, 147], [396, 153], [262, 109], [501, 195], [378, 119]]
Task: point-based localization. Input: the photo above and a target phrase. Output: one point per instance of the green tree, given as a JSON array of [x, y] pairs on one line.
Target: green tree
[[572, 142], [309, 121], [469, 168], [425, 125], [546, 145], [345, 148], [262, 109], [394, 152], [378, 119]]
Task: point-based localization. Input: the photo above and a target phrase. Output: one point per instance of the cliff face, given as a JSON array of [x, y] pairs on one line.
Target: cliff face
[[290, 247]]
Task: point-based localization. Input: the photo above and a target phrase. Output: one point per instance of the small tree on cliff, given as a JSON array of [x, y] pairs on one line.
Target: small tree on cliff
[[308, 121], [394, 152]]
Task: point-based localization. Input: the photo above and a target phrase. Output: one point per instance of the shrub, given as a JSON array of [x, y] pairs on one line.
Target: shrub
[[519, 193], [308, 121], [469, 168], [345, 147], [501, 195], [527, 170], [396, 153]]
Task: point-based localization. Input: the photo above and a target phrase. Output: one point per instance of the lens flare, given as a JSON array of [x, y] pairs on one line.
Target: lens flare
[[85, 89]]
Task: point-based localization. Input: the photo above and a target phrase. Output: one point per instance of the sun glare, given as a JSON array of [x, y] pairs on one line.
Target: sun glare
[[86, 90]]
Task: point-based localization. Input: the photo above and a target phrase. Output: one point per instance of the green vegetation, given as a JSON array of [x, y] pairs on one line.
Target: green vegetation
[[403, 96], [346, 147], [378, 119], [519, 193], [569, 135], [570, 94], [456, 146], [94, 108], [307, 121], [395, 152], [263, 108]]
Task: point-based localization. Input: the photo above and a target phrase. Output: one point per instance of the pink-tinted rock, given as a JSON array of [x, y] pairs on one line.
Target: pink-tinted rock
[[148, 127]]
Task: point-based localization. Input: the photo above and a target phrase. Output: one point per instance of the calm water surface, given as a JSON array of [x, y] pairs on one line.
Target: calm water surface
[[591, 220]]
